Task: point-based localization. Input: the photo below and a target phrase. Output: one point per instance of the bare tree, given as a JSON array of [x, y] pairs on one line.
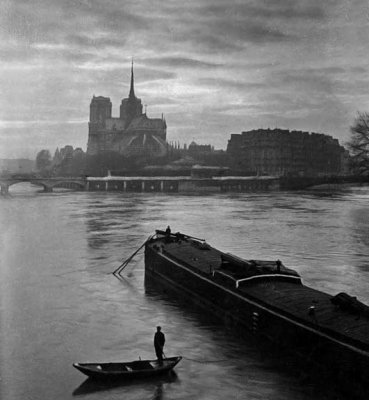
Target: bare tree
[[358, 144]]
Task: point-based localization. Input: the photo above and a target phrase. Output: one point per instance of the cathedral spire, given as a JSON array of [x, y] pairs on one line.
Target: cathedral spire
[[132, 89]]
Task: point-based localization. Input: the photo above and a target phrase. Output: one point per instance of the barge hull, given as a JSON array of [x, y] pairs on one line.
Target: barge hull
[[333, 358]]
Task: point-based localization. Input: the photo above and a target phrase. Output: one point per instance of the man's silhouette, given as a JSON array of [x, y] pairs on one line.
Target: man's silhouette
[[159, 340]]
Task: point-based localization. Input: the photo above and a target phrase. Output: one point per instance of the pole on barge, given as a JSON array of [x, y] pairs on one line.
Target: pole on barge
[[121, 267]]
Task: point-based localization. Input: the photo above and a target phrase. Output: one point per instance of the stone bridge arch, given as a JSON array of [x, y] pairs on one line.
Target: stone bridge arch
[[47, 183], [5, 184]]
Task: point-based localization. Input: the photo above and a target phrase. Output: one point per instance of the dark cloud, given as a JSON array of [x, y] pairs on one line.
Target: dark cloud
[[156, 101], [144, 75], [85, 42], [211, 41], [332, 70], [320, 79], [60, 21], [182, 62], [255, 21], [248, 31], [308, 82], [113, 16], [271, 9], [226, 84], [221, 34], [359, 70]]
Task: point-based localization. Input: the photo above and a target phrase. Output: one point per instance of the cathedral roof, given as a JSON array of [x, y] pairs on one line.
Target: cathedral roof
[[143, 122], [136, 144]]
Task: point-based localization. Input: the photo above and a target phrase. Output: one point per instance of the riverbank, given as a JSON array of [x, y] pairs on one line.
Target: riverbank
[[223, 184]]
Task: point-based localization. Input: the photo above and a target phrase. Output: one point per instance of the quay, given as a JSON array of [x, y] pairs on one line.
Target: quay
[[215, 184], [183, 184], [180, 184]]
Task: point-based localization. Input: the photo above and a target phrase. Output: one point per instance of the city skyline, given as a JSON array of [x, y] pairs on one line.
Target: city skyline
[[213, 68]]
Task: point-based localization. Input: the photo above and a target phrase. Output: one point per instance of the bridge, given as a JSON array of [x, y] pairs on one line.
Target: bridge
[[75, 183]]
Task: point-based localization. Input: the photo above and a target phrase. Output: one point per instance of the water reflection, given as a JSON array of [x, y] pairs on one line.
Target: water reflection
[[158, 395], [153, 384]]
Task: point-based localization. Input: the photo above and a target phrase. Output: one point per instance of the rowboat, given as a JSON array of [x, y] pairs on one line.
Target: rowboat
[[127, 370]]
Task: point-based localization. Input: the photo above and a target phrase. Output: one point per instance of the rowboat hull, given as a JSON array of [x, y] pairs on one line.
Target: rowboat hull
[[127, 370]]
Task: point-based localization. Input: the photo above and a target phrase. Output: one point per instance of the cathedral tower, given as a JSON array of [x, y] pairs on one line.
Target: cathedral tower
[[131, 107], [100, 110]]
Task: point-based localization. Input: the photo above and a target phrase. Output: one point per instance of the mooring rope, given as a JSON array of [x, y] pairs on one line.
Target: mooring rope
[[200, 361], [205, 361], [121, 267]]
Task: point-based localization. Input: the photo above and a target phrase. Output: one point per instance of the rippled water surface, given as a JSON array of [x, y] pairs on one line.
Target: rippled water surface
[[60, 304]]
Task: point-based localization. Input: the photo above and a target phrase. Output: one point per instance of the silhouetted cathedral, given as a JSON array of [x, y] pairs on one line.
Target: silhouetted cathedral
[[132, 134]]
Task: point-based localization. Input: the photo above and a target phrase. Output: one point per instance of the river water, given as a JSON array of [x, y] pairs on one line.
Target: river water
[[60, 303]]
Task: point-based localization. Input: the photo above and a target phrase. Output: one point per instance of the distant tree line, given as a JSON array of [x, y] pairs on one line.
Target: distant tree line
[[68, 161], [43, 162], [358, 145]]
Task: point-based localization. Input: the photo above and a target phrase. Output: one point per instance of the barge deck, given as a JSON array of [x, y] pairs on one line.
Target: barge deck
[[267, 299]]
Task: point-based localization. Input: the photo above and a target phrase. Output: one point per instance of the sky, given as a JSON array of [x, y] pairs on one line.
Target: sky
[[212, 67]]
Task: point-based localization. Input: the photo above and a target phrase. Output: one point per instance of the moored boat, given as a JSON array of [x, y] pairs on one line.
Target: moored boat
[[267, 299], [127, 370]]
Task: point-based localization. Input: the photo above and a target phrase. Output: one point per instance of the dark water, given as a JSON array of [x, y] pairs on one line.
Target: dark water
[[60, 304]]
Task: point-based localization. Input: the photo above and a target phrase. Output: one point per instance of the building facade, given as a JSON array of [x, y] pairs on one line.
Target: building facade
[[132, 134], [281, 152]]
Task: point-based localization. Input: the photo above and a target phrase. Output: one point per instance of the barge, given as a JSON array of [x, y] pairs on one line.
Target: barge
[[268, 300]]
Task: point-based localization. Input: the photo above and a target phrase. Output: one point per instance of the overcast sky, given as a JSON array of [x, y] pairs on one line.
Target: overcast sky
[[213, 67]]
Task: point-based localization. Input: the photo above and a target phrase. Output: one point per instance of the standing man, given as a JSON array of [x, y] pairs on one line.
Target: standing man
[[159, 340]]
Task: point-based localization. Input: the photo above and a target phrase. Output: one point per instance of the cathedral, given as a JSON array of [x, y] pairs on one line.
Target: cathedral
[[133, 134]]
